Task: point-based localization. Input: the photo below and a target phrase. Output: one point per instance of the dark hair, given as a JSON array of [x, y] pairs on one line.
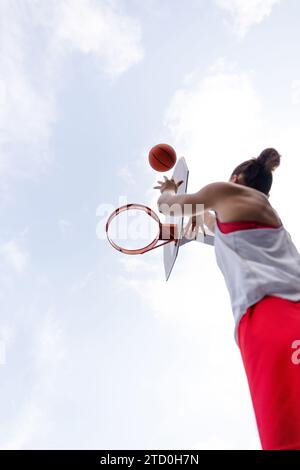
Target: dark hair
[[257, 172]]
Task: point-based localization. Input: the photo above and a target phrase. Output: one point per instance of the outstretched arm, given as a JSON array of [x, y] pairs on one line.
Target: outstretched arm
[[192, 204]]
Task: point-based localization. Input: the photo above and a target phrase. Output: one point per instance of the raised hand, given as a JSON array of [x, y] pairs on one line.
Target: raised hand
[[168, 185]]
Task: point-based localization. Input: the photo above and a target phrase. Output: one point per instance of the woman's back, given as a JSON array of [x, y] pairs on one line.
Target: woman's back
[[247, 204]]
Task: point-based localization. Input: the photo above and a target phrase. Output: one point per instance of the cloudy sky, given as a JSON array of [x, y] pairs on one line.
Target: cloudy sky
[[96, 349]]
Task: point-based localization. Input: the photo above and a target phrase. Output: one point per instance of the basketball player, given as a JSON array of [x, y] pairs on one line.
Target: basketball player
[[261, 268]]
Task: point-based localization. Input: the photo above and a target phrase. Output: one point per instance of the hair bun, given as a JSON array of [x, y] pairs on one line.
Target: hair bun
[[269, 158]]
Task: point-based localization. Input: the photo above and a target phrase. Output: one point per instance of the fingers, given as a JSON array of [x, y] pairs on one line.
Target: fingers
[[165, 183], [158, 187]]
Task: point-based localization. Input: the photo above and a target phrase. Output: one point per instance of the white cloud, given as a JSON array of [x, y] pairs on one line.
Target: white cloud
[[15, 256], [2, 352], [215, 121], [30, 420], [295, 92], [246, 13], [132, 264], [48, 343], [36, 39], [7, 334], [84, 282], [27, 105], [64, 226], [98, 28], [126, 175]]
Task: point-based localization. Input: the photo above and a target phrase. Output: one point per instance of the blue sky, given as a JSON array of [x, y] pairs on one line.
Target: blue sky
[[97, 351]]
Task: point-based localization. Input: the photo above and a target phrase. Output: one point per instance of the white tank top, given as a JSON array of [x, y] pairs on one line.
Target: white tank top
[[256, 262]]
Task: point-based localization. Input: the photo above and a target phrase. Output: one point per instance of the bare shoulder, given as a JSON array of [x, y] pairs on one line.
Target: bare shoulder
[[216, 192], [222, 187]]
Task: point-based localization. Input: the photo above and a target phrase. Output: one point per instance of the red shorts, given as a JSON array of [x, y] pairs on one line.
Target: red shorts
[[267, 335]]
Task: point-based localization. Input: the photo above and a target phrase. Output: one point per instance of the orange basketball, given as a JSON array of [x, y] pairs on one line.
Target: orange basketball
[[162, 157]]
